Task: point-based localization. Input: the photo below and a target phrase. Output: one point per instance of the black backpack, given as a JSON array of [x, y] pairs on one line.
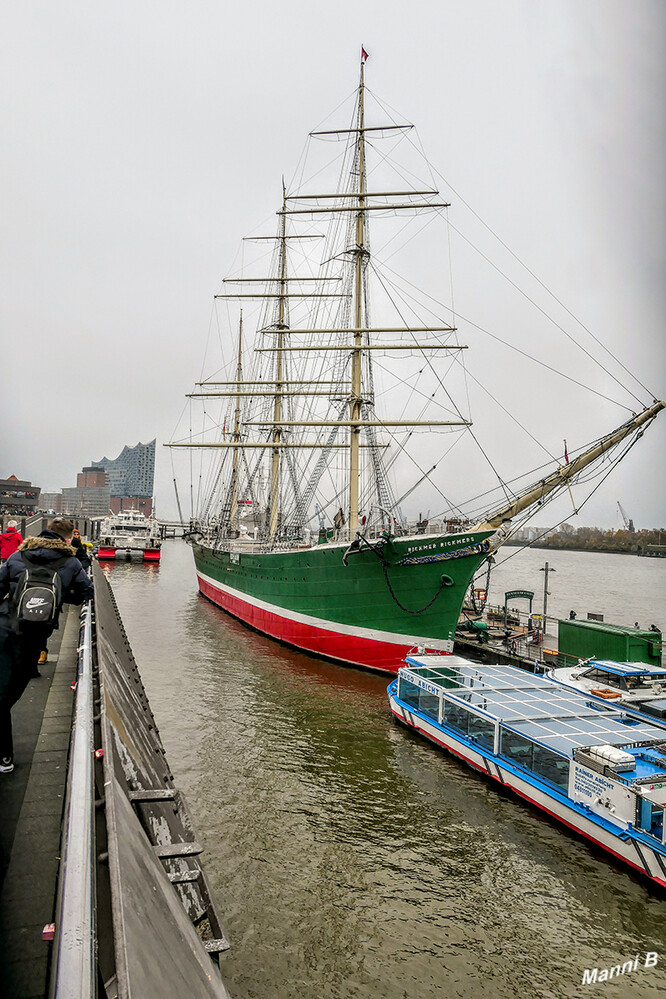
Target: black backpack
[[38, 595]]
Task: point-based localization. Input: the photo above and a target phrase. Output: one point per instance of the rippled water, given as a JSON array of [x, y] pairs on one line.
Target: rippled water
[[348, 857]]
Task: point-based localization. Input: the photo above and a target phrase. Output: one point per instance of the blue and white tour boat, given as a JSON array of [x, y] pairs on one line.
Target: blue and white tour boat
[[591, 766]]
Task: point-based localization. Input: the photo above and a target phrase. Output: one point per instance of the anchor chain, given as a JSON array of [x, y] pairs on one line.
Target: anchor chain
[[377, 549]]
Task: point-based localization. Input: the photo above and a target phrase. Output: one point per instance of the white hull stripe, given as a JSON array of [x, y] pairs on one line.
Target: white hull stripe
[[319, 622]]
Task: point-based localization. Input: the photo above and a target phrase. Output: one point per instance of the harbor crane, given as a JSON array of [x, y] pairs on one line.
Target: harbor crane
[[628, 523]]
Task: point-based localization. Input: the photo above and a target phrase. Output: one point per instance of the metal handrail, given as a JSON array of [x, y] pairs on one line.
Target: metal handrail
[[74, 968]]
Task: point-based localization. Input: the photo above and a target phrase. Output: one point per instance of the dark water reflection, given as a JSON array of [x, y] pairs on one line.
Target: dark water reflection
[[350, 859]]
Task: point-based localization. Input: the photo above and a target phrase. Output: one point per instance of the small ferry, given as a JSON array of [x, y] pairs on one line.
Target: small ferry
[[590, 766], [639, 687], [129, 535]]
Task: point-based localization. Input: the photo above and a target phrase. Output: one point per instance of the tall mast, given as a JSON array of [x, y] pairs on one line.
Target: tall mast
[[355, 402], [233, 519], [277, 405]]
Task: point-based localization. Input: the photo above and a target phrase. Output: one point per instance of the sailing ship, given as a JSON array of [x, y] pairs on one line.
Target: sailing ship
[[342, 577]]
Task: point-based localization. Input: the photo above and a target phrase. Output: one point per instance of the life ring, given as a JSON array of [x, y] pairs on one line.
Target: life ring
[[606, 694]]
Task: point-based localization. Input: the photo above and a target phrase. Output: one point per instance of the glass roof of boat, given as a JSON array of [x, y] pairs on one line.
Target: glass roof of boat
[[626, 669], [530, 704]]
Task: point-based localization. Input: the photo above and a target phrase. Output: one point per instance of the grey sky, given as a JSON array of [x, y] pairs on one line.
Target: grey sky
[[142, 140]]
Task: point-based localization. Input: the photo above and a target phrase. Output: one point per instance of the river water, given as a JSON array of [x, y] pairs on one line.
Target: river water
[[350, 859], [624, 588]]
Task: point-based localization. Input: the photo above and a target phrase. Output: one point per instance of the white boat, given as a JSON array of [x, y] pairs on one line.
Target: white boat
[[637, 686], [596, 770], [129, 535]]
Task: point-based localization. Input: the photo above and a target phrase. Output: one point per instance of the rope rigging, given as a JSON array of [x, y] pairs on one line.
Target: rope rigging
[[301, 474]]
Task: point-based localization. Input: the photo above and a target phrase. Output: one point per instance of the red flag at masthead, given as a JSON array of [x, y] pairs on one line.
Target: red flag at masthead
[[566, 456], [364, 54]]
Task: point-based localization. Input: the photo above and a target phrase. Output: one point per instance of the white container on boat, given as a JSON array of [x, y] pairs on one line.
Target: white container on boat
[[612, 756]]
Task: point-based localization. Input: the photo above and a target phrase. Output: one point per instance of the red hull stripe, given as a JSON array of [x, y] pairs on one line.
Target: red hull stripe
[[532, 801], [149, 554], [348, 646]]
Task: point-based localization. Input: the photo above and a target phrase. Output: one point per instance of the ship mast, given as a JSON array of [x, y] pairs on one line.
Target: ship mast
[[356, 334], [360, 252], [353, 337], [233, 519], [277, 404]]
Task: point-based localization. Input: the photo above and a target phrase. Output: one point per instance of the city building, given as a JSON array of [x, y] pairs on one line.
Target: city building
[[92, 477], [18, 496], [50, 502], [131, 478], [90, 497]]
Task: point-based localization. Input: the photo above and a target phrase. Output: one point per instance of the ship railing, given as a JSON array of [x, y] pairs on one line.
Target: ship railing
[[213, 537], [74, 964]]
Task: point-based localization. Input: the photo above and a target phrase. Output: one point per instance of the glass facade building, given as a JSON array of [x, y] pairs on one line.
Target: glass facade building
[[132, 473]]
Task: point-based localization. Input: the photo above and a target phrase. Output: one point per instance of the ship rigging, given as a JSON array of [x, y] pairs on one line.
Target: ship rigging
[[299, 532]]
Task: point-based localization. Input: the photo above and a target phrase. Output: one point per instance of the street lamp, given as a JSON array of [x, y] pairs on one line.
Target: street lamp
[[546, 591]]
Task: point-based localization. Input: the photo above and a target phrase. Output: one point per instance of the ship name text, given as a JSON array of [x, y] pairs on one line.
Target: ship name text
[[440, 544]]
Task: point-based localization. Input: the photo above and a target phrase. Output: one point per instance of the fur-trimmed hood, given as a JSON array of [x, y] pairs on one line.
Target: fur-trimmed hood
[[55, 544], [47, 550]]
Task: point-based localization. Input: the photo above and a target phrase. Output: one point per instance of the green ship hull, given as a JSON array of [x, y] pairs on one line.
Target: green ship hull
[[365, 606]]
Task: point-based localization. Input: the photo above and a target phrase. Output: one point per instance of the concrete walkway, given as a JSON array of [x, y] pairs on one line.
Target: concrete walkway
[[31, 805]]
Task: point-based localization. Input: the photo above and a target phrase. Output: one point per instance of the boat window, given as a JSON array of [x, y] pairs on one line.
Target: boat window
[[455, 716], [408, 692], [467, 723], [429, 703], [552, 766], [657, 822], [516, 748], [482, 731], [548, 765], [656, 708], [600, 676]]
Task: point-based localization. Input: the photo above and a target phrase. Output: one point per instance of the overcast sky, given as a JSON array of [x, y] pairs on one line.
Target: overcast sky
[[143, 140]]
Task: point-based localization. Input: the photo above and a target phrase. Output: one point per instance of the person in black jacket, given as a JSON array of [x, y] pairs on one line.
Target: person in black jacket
[[20, 646], [80, 549]]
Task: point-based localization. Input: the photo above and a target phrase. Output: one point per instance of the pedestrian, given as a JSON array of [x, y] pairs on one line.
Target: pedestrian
[[80, 549], [636, 625], [20, 641], [9, 540]]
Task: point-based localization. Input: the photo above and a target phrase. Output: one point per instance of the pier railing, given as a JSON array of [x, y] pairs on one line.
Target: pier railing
[[134, 914], [74, 966]]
